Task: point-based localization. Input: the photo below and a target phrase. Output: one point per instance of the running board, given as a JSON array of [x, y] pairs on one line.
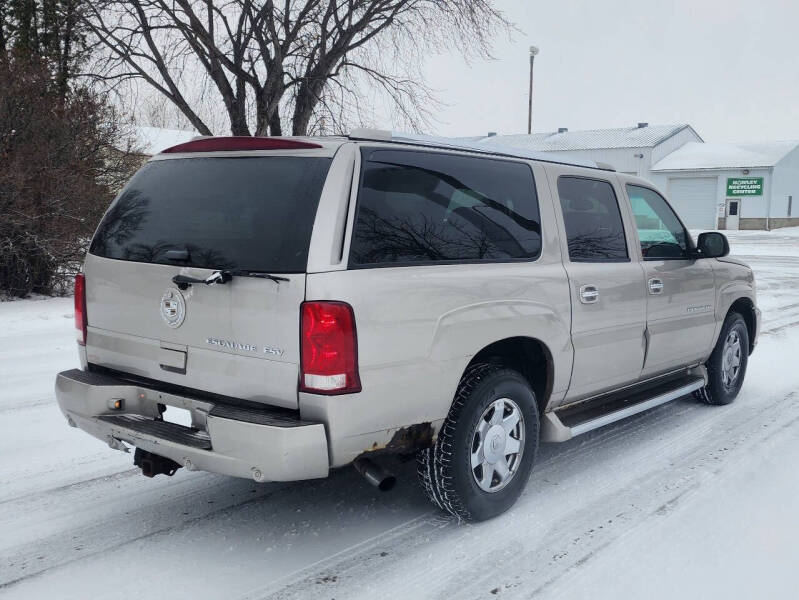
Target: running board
[[573, 420]]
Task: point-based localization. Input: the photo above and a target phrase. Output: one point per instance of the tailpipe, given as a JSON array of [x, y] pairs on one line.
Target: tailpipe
[[375, 474]]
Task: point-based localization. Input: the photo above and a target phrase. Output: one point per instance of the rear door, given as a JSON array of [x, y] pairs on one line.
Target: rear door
[[606, 283], [681, 292], [193, 215]]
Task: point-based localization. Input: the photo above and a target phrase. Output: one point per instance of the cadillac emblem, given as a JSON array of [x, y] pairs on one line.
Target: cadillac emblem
[[173, 308]]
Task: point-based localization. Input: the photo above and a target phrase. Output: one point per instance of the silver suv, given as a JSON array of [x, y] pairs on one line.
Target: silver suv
[[311, 303]]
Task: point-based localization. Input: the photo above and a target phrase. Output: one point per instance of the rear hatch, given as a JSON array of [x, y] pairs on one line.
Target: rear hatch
[[192, 215]]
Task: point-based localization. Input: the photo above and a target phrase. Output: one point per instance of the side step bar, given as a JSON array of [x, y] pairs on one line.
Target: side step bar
[[565, 423]]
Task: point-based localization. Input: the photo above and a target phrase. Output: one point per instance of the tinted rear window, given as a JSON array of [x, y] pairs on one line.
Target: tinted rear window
[[424, 207], [229, 213]]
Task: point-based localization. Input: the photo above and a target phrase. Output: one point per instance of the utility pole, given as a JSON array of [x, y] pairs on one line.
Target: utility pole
[[533, 52]]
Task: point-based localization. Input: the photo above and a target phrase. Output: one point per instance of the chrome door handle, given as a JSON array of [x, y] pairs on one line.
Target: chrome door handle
[[589, 294], [655, 286]]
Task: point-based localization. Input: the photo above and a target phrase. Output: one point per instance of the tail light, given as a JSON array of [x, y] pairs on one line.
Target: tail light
[[80, 308], [329, 349]]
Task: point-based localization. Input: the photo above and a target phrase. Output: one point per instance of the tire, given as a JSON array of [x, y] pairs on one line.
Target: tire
[[732, 346], [445, 470]]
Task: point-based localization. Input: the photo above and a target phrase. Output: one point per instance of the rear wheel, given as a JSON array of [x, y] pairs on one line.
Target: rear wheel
[[726, 367], [486, 448]]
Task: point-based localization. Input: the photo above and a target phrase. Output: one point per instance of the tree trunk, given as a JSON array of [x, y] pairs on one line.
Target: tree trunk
[[307, 98], [238, 118], [275, 127]]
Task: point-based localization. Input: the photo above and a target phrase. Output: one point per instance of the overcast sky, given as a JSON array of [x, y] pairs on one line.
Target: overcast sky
[[730, 69]]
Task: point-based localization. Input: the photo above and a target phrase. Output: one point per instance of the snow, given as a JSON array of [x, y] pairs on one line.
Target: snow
[[685, 500], [156, 139], [704, 155]]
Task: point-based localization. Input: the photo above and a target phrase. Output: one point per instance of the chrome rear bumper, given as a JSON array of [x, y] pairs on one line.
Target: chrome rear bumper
[[242, 442]]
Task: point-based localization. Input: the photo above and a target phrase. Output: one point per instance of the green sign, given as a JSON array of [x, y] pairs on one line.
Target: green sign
[[745, 186]]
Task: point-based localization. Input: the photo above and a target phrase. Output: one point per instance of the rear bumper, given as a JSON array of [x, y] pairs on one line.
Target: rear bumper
[[241, 442]]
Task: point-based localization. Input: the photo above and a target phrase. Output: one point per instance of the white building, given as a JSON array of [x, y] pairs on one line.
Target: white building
[[733, 186], [746, 186], [630, 150]]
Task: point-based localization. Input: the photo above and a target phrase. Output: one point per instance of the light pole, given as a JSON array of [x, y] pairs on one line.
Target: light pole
[[533, 52]]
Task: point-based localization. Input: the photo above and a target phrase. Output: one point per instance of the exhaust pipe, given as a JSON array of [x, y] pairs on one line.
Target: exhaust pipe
[[375, 474]]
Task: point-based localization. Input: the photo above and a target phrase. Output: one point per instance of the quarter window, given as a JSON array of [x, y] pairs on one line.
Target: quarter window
[[661, 233], [594, 228], [423, 207]]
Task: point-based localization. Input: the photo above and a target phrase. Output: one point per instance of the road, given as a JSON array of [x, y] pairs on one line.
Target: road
[[683, 500]]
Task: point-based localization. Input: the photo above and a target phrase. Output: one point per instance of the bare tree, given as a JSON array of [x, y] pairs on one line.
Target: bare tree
[[303, 65]]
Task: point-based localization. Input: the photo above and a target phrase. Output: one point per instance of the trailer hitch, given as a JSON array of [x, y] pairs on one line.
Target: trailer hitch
[[152, 464]]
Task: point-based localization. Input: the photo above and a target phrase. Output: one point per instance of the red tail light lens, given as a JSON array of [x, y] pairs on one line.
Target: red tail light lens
[[80, 308], [329, 353]]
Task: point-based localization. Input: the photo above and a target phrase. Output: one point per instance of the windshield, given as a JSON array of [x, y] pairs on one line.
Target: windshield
[[222, 213]]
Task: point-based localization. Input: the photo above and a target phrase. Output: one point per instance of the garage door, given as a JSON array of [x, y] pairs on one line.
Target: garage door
[[694, 199]]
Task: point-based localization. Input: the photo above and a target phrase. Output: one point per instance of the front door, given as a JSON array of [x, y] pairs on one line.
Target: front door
[[681, 293], [607, 286], [733, 210]]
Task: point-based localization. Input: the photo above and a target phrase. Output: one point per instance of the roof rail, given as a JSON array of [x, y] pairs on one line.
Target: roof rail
[[416, 139]]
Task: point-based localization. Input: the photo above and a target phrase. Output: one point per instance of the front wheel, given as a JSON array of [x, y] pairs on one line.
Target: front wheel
[[726, 367], [486, 448]]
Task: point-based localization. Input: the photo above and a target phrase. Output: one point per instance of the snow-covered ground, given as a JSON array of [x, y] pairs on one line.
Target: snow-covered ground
[[683, 501]]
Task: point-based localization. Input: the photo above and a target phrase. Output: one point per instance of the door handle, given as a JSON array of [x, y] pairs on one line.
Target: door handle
[[589, 294], [655, 286]]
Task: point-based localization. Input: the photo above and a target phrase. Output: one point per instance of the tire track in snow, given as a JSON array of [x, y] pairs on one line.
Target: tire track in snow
[[569, 537], [112, 532]]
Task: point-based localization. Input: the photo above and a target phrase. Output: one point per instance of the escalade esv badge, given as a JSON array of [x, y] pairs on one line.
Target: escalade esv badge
[[173, 308]]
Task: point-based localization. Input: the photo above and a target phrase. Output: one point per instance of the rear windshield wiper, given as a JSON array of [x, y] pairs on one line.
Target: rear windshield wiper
[[221, 277]]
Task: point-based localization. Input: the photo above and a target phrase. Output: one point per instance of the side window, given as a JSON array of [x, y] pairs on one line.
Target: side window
[[592, 217], [660, 231], [424, 207]]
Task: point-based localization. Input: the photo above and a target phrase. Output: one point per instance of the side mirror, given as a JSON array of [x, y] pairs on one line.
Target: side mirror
[[712, 244]]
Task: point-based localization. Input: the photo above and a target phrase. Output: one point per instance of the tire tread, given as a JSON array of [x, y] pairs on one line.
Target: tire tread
[[434, 462], [707, 394]]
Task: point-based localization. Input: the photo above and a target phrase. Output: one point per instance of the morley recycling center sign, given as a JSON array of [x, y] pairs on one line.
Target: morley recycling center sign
[[745, 186]]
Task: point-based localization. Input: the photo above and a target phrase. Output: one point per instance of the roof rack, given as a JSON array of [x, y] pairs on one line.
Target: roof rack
[[415, 139]]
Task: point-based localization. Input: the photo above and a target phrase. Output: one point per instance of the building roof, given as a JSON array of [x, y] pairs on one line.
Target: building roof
[[153, 140], [594, 139], [695, 155]]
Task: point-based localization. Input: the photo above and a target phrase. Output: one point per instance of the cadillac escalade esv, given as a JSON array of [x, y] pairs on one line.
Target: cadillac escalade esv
[[309, 303]]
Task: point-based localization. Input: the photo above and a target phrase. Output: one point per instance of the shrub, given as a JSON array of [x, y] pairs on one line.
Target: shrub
[[62, 159]]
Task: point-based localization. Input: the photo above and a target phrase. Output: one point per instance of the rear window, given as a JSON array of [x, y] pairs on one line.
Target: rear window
[[423, 207], [591, 214], [228, 213]]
